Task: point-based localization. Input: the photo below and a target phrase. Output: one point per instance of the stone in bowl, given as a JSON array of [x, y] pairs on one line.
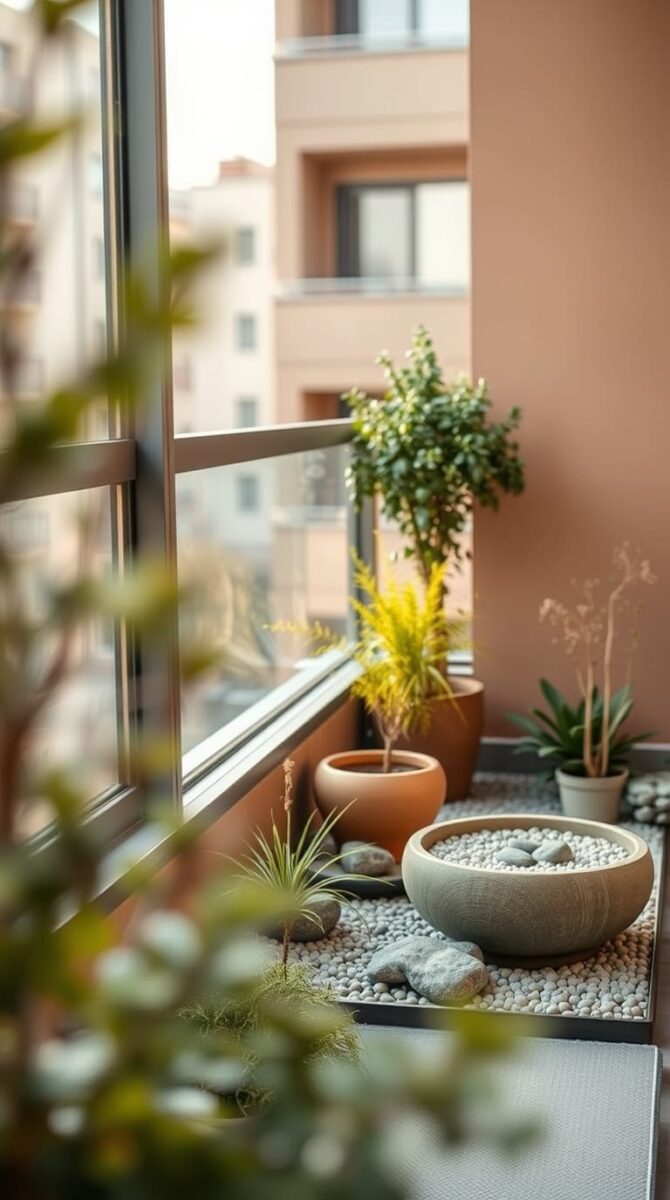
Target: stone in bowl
[[528, 915]]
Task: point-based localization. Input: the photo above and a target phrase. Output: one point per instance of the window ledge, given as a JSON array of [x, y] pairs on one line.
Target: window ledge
[[211, 797]]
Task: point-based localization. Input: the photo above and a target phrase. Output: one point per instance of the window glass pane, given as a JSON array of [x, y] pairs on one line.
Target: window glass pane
[[385, 233], [284, 557], [378, 18], [262, 154], [443, 234], [55, 311], [78, 728]]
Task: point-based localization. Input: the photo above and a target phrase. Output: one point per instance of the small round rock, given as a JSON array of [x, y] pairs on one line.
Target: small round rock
[[513, 857], [554, 850], [528, 845]]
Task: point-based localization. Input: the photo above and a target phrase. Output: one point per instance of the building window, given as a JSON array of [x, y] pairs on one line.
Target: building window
[[247, 493], [245, 246], [391, 20], [414, 232], [246, 412], [29, 288], [182, 375], [30, 378], [99, 259], [95, 178], [6, 57], [245, 331]]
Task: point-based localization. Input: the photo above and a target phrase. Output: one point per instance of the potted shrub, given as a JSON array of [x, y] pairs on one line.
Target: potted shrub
[[588, 741], [431, 453], [384, 795]]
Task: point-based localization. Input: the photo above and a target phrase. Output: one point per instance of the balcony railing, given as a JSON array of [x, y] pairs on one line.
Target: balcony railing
[[359, 43], [302, 289]]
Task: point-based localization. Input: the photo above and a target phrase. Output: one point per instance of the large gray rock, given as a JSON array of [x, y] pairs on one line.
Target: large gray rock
[[554, 850], [445, 972], [305, 929], [362, 858]]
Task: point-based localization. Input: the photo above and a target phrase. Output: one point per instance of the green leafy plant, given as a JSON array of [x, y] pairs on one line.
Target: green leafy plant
[[403, 639], [557, 735], [245, 1019], [431, 452], [588, 631], [402, 651], [294, 875]]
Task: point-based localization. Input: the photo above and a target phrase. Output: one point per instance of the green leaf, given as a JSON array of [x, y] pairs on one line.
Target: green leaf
[[552, 696], [23, 140]]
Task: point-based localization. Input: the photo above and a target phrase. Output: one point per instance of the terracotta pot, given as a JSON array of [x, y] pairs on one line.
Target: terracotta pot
[[454, 734], [592, 799], [385, 808]]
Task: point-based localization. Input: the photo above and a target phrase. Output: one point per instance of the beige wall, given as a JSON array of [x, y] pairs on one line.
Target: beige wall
[[330, 343], [380, 108], [570, 110]]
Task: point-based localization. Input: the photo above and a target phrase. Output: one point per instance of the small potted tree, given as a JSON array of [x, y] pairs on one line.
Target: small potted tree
[[431, 453], [588, 741]]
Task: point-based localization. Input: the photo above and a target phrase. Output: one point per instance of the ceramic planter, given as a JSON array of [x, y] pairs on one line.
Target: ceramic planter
[[384, 808], [592, 799], [533, 915], [454, 734]]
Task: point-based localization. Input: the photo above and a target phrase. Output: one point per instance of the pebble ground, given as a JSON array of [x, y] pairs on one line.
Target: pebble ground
[[612, 985]]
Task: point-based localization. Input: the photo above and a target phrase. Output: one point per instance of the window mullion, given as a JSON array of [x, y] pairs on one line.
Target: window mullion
[[144, 205]]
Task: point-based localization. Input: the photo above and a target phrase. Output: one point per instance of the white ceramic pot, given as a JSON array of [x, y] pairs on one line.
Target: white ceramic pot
[[592, 799]]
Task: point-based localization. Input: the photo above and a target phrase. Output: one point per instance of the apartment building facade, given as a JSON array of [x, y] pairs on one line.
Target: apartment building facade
[[372, 201], [372, 194]]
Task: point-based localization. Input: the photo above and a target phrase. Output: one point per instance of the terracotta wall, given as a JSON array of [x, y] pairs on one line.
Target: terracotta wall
[[570, 160]]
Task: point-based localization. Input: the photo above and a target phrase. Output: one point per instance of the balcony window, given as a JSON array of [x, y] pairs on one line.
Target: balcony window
[[417, 232], [246, 336]]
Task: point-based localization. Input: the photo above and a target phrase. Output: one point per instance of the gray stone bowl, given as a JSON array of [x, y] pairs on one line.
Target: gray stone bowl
[[528, 915]]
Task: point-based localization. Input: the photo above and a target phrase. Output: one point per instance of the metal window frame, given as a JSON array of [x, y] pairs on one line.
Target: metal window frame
[[140, 464]]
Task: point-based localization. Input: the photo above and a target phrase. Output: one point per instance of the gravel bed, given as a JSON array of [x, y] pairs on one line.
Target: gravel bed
[[611, 985], [480, 849]]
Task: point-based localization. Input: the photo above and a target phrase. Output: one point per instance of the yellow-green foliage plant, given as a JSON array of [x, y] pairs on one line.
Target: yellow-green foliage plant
[[404, 637]]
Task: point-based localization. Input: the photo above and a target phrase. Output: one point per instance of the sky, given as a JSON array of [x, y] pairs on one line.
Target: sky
[[220, 85]]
